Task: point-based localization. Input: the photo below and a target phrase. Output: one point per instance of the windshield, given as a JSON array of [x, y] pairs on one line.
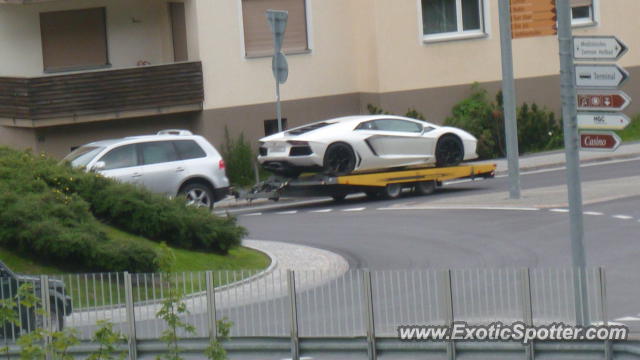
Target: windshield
[[81, 156]]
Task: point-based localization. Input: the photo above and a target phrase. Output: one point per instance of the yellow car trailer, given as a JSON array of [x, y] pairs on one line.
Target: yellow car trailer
[[387, 184]]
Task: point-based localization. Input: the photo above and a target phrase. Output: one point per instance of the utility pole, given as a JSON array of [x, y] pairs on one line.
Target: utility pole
[[571, 143], [509, 100]]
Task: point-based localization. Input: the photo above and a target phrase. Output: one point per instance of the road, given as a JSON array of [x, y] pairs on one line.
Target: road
[[387, 235]]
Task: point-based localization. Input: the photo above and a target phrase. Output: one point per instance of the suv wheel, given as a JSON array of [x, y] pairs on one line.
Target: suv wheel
[[199, 195]]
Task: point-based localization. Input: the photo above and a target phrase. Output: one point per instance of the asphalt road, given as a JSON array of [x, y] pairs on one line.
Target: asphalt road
[[369, 236]]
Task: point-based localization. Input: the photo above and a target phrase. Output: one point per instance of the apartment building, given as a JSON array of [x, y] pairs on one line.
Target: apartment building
[[74, 71]]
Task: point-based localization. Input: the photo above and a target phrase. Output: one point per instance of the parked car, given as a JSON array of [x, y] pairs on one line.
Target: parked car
[[172, 162], [367, 142], [29, 320]]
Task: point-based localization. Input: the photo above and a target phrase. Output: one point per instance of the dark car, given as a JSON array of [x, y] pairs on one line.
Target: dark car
[[29, 319]]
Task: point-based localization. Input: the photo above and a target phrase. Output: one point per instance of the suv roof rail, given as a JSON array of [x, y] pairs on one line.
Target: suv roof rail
[[174, 132]]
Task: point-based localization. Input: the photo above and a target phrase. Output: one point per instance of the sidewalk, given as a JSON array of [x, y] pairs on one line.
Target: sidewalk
[[557, 158]]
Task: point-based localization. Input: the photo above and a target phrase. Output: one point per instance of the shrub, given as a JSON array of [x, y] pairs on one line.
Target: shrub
[[538, 129], [239, 160]]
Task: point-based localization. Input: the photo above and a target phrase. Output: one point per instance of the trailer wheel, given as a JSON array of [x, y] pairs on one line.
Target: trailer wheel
[[425, 187], [392, 191]]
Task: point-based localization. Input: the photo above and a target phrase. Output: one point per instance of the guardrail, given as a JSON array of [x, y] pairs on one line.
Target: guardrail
[[318, 305]]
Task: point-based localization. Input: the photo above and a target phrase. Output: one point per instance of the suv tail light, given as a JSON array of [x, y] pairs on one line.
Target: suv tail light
[[221, 165]]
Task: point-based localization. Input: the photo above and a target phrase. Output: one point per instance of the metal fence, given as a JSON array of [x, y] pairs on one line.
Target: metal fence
[[316, 304]]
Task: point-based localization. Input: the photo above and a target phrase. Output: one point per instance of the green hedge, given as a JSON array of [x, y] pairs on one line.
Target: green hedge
[[50, 211]]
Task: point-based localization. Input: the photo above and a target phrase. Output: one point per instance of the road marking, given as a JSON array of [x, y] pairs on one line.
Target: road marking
[[461, 208], [622, 217], [628, 318], [559, 210], [321, 211], [593, 213], [354, 209], [287, 212], [253, 214]]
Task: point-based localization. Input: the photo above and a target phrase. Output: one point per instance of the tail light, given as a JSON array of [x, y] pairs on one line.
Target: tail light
[[221, 165]]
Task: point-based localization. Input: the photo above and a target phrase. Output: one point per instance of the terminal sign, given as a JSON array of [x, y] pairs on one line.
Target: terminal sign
[[598, 48], [533, 18]]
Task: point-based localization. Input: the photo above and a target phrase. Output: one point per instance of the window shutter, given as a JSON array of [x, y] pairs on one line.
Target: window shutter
[[257, 34], [578, 3], [74, 38]]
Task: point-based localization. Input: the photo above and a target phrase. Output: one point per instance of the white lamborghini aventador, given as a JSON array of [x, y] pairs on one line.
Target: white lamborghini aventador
[[361, 143]]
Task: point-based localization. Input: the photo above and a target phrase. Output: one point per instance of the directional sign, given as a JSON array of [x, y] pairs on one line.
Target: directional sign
[[533, 18], [607, 76], [599, 141], [598, 48], [602, 100], [603, 121]]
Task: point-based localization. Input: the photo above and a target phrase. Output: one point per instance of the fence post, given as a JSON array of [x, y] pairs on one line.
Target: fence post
[[602, 292], [368, 311], [211, 306], [447, 301], [295, 341], [46, 315], [527, 310], [131, 318]]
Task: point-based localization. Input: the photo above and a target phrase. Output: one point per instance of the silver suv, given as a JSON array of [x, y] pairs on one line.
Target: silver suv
[[173, 162]]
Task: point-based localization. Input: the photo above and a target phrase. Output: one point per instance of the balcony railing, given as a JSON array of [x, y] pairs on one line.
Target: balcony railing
[[101, 95]]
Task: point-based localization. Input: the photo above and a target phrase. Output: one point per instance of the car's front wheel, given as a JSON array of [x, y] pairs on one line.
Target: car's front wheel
[[449, 151], [339, 159], [199, 195]]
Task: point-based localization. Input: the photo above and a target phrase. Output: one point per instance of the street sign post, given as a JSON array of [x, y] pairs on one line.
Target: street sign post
[[602, 100], [598, 48], [599, 141], [613, 121], [277, 20], [596, 75]]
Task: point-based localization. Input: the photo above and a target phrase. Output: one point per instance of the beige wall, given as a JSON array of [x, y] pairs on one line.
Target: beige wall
[[136, 30]]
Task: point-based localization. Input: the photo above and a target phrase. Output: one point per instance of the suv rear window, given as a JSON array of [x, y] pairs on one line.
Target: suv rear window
[[189, 149], [158, 152]]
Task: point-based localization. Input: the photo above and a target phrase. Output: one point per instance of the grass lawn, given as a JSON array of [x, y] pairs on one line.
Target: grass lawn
[[631, 132], [107, 289]]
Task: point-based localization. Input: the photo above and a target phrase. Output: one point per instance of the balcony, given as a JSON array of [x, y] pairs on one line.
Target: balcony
[[100, 95]]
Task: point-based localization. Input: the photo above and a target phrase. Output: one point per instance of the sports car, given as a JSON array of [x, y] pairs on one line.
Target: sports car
[[366, 142]]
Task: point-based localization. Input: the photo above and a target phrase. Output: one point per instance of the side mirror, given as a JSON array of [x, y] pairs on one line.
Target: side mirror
[[98, 166]]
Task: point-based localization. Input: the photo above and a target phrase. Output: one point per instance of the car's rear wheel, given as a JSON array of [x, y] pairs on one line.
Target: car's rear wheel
[[199, 195], [339, 159], [425, 187], [449, 151]]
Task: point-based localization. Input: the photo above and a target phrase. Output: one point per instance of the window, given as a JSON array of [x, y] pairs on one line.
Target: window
[[73, 39], [158, 152], [582, 12], [397, 125], [257, 34], [271, 126], [178, 31], [452, 17], [188, 149], [121, 157]]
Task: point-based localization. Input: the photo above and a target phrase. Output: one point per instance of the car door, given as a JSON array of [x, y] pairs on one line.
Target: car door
[[396, 138], [121, 163], [161, 167]]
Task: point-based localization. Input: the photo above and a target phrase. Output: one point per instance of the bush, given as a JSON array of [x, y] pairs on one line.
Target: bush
[[538, 129], [239, 160], [50, 212]]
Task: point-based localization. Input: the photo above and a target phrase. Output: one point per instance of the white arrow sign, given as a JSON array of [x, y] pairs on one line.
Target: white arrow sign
[[608, 76], [598, 48], [603, 121]]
